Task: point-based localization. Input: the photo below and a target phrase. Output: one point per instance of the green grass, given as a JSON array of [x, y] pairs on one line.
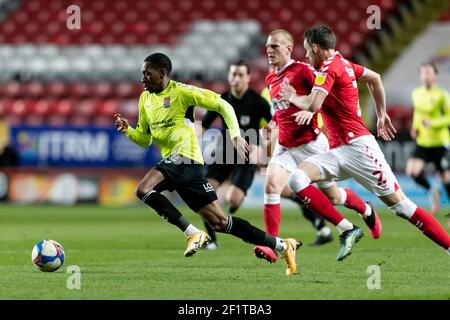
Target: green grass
[[131, 253]]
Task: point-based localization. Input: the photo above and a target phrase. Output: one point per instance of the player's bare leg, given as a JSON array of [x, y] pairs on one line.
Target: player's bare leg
[[444, 176], [423, 220], [346, 197], [149, 191], [234, 197], [300, 182], [415, 169], [242, 229]]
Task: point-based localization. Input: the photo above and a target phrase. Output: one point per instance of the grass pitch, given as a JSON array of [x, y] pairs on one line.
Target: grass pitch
[[131, 253]]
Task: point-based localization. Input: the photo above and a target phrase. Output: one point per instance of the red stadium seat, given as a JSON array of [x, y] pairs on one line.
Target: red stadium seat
[[80, 121], [79, 90], [18, 108], [56, 90], [102, 90], [13, 90], [41, 107], [33, 90], [85, 108], [63, 108], [124, 90], [107, 108]]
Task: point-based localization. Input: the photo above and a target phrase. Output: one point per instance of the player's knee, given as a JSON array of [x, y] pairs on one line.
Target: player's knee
[[271, 187], [334, 199], [298, 180], [404, 208], [219, 224], [141, 191], [235, 199]]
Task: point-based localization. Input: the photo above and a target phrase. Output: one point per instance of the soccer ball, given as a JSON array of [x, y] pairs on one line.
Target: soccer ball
[[47, 255]]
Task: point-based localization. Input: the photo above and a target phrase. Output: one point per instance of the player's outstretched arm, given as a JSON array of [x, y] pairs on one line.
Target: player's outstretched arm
[[141, 135], [312, 102], [385, 129]]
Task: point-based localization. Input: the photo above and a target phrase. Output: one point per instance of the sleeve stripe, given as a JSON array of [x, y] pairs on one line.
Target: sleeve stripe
[[364, 73], [321, 89]]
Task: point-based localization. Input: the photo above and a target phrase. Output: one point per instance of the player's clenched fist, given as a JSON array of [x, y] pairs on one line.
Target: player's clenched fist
[[121, 123]]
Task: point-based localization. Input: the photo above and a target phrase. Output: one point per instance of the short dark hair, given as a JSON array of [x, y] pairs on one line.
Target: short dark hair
[[160, 61], [242, 63], [322, 35], [431, 64]]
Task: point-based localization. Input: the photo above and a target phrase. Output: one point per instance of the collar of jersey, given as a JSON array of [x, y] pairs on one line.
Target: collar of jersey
[[285, 66], [166, 89], [433, 87]]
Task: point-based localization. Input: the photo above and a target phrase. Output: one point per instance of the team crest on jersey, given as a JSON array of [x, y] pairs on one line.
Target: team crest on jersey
[[245, 120], [166, 102], [320, 78]]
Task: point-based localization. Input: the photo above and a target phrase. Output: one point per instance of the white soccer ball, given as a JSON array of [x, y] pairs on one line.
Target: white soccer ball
[[47, 255]]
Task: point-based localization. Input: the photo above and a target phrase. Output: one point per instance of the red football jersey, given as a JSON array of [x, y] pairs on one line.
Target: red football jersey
[[301, 77], [340, 110]]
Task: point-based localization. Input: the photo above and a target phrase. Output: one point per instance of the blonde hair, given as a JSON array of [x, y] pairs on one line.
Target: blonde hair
[[287, 35]]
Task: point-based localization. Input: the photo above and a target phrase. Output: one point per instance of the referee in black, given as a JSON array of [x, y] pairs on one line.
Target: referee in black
[[250, 108]]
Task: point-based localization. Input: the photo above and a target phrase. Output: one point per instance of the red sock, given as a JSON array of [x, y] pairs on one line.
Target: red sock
[[430, 227], [354, 202], [319, 203], [272, 218]]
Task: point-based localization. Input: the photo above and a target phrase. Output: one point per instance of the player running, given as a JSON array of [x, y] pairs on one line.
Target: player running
[[354, 150], [296, 143], [323, 234], [430, 130], [165, 116], [250, 109]]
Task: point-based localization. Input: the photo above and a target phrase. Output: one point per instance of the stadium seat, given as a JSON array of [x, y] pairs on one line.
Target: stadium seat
[[88, 67]]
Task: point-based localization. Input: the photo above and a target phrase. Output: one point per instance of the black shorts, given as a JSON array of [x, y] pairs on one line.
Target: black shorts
[[436, 155], [188, 179], [241, 174]]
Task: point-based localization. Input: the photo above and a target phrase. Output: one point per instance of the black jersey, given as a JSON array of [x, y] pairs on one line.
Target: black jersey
[[250, 109]]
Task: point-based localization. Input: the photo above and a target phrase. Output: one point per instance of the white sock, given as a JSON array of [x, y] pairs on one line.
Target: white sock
[[190, 230], [324, 232], [343, 197], [368, 211], [344, 225], [281, 245]]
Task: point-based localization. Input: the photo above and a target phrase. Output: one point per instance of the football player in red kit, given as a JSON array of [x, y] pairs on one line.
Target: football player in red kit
[[354, 150], [296, 143]]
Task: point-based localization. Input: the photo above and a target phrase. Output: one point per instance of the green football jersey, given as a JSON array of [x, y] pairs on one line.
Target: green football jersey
[[163, 119], [431, 104]]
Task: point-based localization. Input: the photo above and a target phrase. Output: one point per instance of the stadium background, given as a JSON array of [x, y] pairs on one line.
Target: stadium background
[[59, 87]]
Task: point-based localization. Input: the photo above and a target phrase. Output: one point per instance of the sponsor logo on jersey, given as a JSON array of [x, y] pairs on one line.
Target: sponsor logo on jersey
[[166, 102], [244, 120], [320, 78]]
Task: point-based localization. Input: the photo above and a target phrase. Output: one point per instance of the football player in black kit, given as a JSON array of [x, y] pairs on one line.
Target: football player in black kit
[[250, 109]]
